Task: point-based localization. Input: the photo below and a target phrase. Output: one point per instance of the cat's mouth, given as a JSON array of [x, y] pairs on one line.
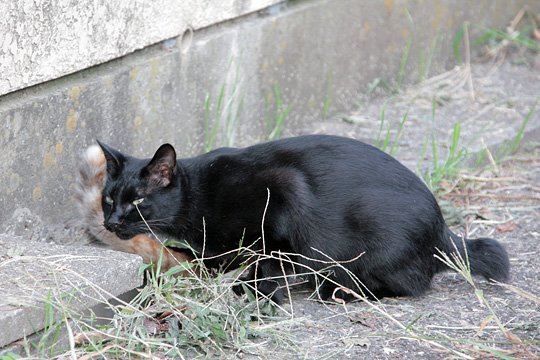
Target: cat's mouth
[[120, 231], [124, 235]]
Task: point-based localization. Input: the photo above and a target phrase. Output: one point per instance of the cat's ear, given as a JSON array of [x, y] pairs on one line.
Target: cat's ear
[[161, 169], [115, 159]]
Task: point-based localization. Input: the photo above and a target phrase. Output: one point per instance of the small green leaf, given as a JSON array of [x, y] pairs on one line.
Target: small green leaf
[[183, 266], [242, 333], [143, 268], [456, 43], [218, 331], [9, 356], [249, 293]]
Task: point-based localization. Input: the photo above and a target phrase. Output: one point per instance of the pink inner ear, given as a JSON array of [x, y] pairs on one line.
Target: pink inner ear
[[165, 173], [161, 169], [160, 175]]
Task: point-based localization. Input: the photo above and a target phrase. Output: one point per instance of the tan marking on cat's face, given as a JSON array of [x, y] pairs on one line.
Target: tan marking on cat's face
[[94, 156]]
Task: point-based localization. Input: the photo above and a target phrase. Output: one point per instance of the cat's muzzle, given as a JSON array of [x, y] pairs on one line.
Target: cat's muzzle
[[119, 230]]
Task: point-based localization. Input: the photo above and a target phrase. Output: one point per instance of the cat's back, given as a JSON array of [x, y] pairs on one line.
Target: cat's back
[[343, 161], [324, 160], [319, 149], [296, 149]]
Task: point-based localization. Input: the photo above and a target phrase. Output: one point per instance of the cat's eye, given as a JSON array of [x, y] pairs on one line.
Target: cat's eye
[[138, 201], [108, 200]]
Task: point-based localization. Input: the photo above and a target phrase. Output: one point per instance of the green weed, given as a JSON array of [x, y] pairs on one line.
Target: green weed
[[205, 316], [456, 43], [439, 170], [379, 83], [495, 39], [10, 356], [403, 64], [424, 67], [55, 321], [511, 146], [385, 142], [426, 58], [452, 165], [195, 314], [275, 117], [328, 95], [520, 38], [221, 117], [394, 87]]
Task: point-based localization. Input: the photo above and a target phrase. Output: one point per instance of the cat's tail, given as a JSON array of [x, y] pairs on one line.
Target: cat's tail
[[486, 257], [89, 186]]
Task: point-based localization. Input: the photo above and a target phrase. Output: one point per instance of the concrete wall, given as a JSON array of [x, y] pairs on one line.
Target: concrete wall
[[322, 54], [42, 40]]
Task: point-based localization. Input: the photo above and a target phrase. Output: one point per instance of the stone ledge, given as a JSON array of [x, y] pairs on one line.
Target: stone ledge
[[40, 43], [35, 276]]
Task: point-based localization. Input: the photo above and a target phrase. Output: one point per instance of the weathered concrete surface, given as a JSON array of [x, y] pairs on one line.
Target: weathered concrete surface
[[321, 54], [34, 277], [43, 40]]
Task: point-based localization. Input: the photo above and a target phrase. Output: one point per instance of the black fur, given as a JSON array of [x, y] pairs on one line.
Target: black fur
[[328, 195]]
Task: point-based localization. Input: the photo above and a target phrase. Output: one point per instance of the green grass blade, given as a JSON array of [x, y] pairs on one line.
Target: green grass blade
[[517, 140], [395, 143], [452, 153], [403, 63], [456, 44], [281, 113], [381, 126]]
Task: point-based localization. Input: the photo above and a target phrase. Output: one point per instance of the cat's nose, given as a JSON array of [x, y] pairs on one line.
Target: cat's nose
[[111, 226], [113, 221]]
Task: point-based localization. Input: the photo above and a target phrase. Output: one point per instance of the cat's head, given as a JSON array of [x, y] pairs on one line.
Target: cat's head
[[139, 193]]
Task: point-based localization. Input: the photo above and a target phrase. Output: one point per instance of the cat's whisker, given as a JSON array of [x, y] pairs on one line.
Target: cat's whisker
[[156, 222]]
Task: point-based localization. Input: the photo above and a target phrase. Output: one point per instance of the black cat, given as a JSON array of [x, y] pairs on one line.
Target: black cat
[[326, 198]]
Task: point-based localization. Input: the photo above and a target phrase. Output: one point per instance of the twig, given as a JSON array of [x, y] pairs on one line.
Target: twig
[[521, 292], [512, 27], [204, 237], [490, 156], [496, 196], [263, 217], [468, 62], [487, 179], [285, 277]]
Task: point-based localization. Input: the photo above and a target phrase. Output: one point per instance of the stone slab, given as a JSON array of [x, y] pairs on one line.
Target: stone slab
[[38, 277]]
